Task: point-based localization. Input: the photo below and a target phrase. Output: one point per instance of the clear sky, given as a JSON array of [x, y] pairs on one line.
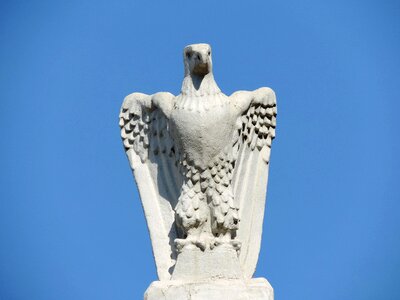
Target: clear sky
[[71, 223]]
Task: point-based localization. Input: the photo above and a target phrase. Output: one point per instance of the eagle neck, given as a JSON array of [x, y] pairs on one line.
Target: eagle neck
[[198, 86]]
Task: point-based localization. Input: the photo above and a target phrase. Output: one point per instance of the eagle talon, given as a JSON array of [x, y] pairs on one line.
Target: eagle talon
[[191, 241]]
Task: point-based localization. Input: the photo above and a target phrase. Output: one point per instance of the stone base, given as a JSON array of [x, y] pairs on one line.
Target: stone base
[[222, 289], [195, 265]]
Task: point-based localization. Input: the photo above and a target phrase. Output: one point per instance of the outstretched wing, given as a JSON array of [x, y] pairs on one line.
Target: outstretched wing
[[256, 129], [151, 153]]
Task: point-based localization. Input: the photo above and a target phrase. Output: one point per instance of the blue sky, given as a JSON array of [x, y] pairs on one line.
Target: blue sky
[[71, 223]]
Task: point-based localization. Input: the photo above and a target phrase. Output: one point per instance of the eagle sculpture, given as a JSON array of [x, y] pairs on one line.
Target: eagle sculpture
[[200, 161]]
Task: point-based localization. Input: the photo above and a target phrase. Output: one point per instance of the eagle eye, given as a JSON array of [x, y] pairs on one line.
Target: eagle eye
[[209, 52], [188, 54]]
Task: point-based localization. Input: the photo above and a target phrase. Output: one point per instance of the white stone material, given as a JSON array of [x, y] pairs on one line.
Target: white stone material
[[195, 265], [201, 161], [252, 289]]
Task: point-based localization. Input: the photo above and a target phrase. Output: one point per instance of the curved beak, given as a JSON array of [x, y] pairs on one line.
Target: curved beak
[[202, 66], [201, 69]]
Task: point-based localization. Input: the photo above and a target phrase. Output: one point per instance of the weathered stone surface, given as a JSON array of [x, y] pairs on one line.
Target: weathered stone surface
[[253, 289], [196, 265], [201, 162]]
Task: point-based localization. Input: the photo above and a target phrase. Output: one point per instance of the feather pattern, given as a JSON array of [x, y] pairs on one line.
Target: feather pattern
[[252, 147], [153, 158], [257, 128]]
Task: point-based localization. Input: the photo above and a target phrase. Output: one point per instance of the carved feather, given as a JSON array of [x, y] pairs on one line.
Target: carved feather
[[259, 123], [150, 150], [256, 129]]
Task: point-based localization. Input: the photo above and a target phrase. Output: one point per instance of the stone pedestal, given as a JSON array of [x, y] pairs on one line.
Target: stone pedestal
[[209, 275], [222, 289], [195, 265]]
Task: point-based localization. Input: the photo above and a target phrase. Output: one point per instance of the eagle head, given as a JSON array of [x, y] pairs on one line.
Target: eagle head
[[197, 59]]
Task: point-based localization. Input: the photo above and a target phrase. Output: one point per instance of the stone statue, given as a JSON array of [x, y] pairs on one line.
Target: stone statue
[[200, 160]]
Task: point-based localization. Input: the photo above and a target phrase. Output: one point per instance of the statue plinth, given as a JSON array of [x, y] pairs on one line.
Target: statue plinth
[[221, 289], [210, 274], [194, 264]]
